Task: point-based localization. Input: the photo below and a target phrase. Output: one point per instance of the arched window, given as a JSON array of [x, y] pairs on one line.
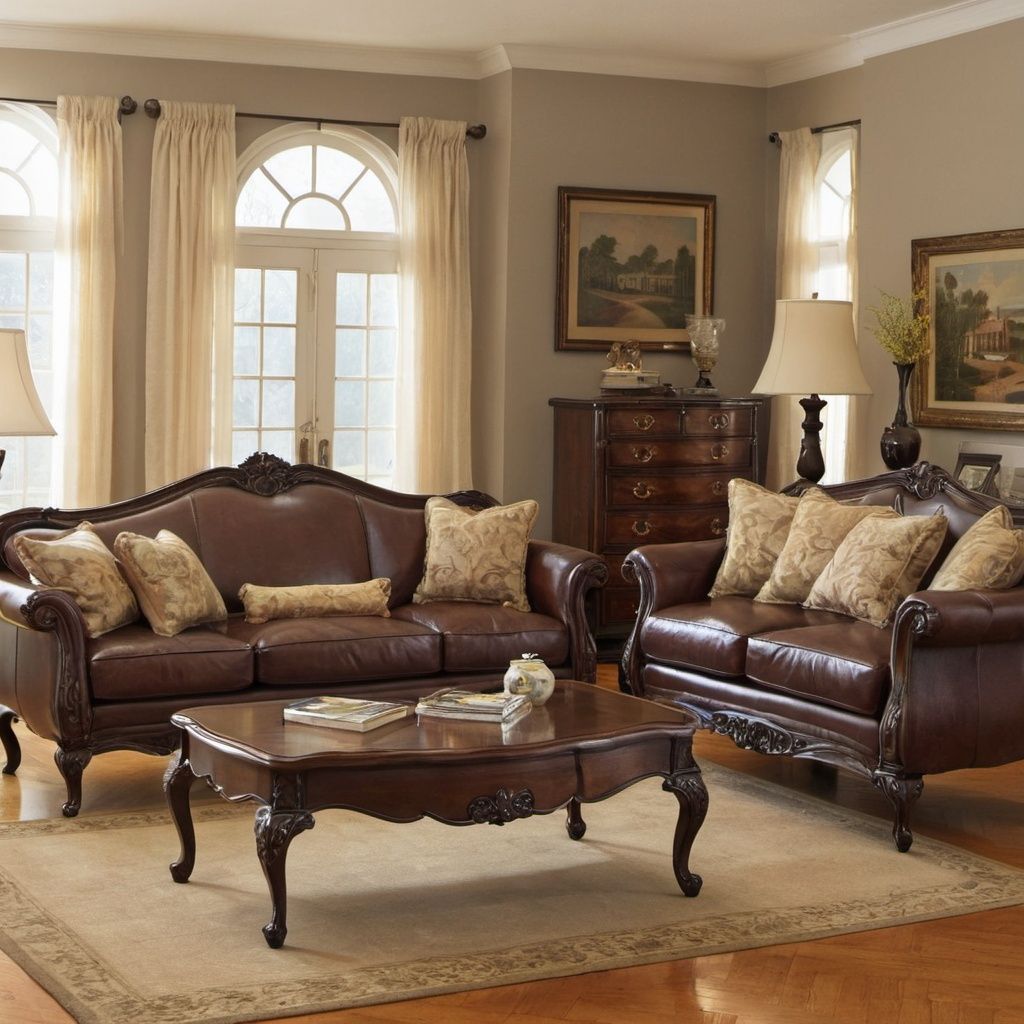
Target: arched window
[[316, 303], [28, 207], [834, 199]]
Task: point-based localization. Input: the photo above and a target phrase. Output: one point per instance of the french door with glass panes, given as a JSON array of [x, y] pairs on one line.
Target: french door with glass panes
[[315, 354]]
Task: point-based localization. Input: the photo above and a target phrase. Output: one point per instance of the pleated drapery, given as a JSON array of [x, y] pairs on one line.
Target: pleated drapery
[[795, 270], [191, 275], [88, 239], [433, 418]]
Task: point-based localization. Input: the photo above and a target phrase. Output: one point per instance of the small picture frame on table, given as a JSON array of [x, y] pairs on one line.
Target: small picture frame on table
[[978, 471]]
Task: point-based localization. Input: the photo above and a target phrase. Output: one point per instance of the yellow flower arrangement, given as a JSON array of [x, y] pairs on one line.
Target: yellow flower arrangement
[[899, 330]]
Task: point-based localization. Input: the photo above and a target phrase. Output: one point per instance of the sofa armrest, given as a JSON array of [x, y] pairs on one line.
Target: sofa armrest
[[558, 579], [668, 574], [57, 702], [956, 700]]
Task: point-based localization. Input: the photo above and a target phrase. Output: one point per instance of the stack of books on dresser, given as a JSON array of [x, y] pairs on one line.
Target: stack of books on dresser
[[500, 708]]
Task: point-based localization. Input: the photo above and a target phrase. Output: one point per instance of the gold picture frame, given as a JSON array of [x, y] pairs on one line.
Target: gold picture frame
[[631, 265]]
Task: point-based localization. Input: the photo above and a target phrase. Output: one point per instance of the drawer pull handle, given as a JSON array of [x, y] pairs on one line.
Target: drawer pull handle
[[641, 528], [718, 488], [644, 454], [642, 490], [719, 451], [719, 420], [716, 527], [644, 422]]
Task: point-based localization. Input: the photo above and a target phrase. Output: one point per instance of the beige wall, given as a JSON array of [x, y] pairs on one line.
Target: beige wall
[[629, 133]]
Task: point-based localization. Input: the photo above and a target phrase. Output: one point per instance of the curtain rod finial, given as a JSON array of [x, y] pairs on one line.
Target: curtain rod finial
[[127, 106], [152, 108], [476, 131], [773, 137]]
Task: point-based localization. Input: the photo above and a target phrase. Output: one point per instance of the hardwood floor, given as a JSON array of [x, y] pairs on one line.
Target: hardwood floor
[[964, 970]]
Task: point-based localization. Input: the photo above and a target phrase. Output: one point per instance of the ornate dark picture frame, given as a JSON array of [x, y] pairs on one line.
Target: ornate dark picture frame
[[631, 265], [978, 471], [973, 289]]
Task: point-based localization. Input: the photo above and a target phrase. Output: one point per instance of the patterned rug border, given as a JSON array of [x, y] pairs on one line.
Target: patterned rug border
[[102, 997]]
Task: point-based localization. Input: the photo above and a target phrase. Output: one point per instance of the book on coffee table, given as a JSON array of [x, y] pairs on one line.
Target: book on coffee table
[[345, 712], [500, 708]]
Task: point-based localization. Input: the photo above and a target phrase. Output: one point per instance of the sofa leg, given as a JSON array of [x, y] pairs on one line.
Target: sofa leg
[[12, 748], [902, 791], [71, 764]]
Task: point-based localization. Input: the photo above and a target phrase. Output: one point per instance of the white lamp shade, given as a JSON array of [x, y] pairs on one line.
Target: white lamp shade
[[21, 412], [814, 351]]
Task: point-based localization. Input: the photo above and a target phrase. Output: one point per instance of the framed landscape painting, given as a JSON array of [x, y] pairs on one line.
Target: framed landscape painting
[[631, 265], [973, 289]]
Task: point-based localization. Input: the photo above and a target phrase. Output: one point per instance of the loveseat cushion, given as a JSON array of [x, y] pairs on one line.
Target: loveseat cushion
[[478, 637], [134, 663], [712, 635], [844, 665], [294, 652]]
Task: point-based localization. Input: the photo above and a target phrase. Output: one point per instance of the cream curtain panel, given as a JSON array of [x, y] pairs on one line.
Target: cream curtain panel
[[855, 409], [88, 239], [191, 275], [433, 416], [796, 264]]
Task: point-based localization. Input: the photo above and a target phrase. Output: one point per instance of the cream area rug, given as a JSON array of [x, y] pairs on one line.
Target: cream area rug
[[380, 912]]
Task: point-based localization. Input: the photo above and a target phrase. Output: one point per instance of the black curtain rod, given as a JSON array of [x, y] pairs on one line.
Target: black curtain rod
[[127, 105], [773, 137], [474, 131]]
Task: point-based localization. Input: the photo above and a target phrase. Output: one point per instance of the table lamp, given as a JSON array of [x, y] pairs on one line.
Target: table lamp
[[21, 412], [814, 351]]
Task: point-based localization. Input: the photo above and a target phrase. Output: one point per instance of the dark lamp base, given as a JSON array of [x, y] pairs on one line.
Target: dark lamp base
[[811, 464]]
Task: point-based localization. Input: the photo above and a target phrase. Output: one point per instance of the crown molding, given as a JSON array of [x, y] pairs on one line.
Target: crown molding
[[967, 16], [242, 50], [594, 62]]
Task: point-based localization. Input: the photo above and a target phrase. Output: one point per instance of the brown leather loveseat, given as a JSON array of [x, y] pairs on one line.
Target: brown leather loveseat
[[940, 689], [277, 525]]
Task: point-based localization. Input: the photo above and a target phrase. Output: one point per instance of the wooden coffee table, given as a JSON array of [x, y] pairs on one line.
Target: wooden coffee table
[[584, 745]]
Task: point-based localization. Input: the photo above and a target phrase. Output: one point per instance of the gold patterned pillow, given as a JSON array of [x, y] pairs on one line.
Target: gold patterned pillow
[[819, 526], [80, 564], [759, 522], [173, 588], [317, 600], [476, 556], [989, 556], [879, 563]]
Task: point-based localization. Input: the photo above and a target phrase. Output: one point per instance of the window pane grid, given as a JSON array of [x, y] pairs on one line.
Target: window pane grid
[[263, 403]]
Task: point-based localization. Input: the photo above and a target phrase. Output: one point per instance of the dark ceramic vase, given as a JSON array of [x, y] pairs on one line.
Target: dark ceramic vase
[[901, 442]]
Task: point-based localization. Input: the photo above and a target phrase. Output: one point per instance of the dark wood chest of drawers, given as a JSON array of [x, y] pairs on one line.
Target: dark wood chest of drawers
[[631, 471]]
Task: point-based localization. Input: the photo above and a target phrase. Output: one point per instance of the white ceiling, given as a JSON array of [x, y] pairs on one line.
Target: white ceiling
[[746, 41]]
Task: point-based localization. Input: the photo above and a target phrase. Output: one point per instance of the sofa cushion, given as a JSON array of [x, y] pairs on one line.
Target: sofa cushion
[[294, 652], [712, 636], [759, 522], [845, 665], [134, 663], [479, 637], [317, 600]]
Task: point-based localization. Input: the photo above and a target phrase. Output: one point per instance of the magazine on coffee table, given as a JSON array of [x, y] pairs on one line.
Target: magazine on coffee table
[[500, 708], [345, 712]]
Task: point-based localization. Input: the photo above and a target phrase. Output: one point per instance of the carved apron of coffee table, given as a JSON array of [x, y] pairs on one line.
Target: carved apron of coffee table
[[583, 746]]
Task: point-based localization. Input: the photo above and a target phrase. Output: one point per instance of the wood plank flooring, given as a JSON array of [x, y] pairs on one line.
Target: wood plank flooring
[[965, 970]]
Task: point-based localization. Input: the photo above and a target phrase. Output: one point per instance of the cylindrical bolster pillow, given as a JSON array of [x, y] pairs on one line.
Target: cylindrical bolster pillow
[[320, 599]]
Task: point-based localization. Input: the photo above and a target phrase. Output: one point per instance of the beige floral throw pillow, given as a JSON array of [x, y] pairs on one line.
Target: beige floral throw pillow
[[989, 556], [319, 599], [173, 588], [80, 564], [476, 556], [819, 526], [879, 563], [759, 522]]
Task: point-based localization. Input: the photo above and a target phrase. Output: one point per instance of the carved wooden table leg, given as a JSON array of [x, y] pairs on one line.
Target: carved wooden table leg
[[274, 833], [177, 787], [689, 789], [574, 823], [903, 792], [71, 764], [12, 748]]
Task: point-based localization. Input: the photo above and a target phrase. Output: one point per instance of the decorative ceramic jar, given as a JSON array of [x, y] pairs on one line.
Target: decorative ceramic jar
[[901, 442], [529, 675]]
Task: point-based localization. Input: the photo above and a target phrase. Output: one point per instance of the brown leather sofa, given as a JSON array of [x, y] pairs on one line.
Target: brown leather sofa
[[941, 689], [277, 525]]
